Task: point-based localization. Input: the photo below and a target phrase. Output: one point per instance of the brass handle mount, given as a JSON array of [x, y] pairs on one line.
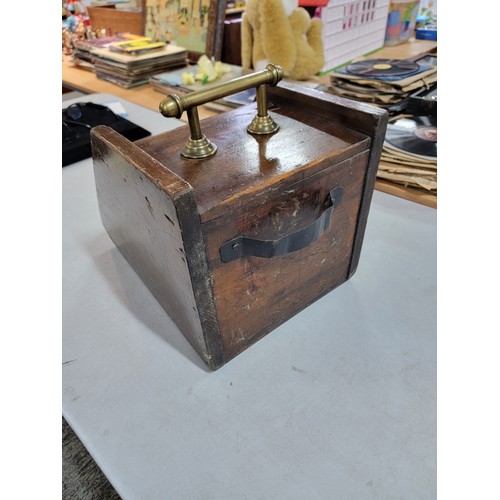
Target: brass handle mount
[[198, 146]]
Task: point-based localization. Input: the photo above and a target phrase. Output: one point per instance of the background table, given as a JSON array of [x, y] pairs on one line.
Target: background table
[[85, 81], [75, 78], [338, 402]]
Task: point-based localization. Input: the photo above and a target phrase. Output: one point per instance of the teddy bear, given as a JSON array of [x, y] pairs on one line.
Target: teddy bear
[[280, 32]]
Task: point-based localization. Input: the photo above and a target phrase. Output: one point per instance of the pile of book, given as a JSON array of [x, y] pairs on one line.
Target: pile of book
[[384, 83], [128, 60]]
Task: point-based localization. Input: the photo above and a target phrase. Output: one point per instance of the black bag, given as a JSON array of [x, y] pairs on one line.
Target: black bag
[[79, 118]]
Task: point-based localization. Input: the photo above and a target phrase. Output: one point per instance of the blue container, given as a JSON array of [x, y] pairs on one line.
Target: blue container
[[426, 32]]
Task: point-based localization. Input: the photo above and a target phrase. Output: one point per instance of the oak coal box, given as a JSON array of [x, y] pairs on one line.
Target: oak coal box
[[253, 218]]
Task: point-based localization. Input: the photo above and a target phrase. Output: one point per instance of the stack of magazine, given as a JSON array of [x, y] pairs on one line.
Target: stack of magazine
[[83, 51], [130, 60], [129, 70]]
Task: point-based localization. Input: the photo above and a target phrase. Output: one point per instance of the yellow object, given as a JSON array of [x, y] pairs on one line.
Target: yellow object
[[139, 44], [208, 72], [187, 78], [293, 42]]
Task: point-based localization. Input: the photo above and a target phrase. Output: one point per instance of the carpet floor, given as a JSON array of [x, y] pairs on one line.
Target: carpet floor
[[81, 477]]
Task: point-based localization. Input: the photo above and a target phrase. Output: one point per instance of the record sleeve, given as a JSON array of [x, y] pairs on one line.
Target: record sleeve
[[383, 67], [414, 134]]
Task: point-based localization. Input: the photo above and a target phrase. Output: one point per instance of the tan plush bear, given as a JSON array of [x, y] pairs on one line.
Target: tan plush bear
[[280, 32]]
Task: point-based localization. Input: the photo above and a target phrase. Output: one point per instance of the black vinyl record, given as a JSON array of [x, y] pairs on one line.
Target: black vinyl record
[[383, 67], [416, 135]]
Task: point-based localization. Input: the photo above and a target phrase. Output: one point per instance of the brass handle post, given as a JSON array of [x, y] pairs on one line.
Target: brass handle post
[[198, 146]]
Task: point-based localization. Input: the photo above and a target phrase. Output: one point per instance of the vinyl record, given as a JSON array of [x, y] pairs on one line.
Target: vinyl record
[[415, 135], [383, 67]]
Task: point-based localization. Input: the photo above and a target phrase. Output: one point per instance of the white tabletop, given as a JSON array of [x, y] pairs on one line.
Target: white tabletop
[[337, 403]]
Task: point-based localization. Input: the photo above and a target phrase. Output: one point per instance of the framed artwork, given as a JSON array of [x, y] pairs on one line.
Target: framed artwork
[[196, 25]]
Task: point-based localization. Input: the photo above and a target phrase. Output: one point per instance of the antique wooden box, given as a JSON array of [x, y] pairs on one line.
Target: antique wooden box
[[234, 244]]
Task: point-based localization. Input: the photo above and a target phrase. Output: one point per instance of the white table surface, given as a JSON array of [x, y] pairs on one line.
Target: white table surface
[[337, 403]]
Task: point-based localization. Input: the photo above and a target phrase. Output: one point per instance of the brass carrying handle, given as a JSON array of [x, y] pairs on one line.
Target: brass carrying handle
[[198, 146]]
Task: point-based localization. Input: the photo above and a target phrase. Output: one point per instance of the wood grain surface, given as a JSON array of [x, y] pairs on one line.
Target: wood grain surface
[[170, 216], [254, 295], [245, 165], [150, 214]]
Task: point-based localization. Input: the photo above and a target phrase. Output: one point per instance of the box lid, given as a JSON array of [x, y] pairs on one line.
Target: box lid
[[246, 164]]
